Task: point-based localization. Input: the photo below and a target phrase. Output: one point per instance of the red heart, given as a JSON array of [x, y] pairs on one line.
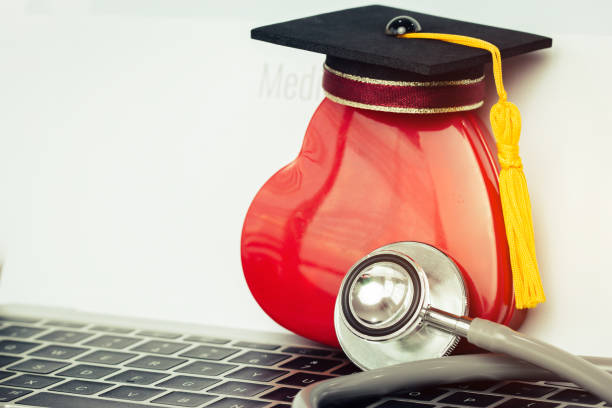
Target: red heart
[[364, 179]]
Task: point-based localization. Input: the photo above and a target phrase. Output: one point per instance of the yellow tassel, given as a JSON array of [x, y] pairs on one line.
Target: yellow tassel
[[506, 126]]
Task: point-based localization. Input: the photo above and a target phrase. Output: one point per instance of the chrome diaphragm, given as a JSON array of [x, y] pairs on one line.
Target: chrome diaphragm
[[381, 313]]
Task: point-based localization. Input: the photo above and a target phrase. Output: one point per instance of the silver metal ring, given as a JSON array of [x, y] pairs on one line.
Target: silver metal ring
[[442, 287]]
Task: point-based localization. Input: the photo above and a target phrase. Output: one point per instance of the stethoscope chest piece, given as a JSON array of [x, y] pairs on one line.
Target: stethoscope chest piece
[[384, 298]]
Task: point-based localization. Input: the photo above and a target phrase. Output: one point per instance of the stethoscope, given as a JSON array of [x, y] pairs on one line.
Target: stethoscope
[[402, 309]]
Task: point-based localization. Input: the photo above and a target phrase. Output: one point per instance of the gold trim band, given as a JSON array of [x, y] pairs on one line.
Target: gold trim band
[[401, 83], [400, 109]]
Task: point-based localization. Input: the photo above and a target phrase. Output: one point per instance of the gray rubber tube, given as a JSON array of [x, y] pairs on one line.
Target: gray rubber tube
[[387, 381], [548, 363], [501, 339]]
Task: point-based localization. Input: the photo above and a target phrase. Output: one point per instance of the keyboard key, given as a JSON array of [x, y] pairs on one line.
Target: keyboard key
[[6, 360], [20, 332], [156, 363], [5, 374], [65, 336], [184, 399], [32, 381], [110, 329], [311, 364], [239, 389], [38, 366], [236, 403], [90, 372], [9, 394], [188, 383], [51, 400], [132, 393], [285, 394], [427, 394], [470, 399], [304, 379], [518, 389], [59, 352], [347, 369], [403, 404], [475, 385], [158, 334], [307, 351], [206, 368], [207, 339], [61, 323], [526, 403], [257, 374], [107, 357], [577, 396], [259, 346], [259, 358], [210, 353], [16, 347], [112, 342], [81, 387], [160, 347], [137, 377]]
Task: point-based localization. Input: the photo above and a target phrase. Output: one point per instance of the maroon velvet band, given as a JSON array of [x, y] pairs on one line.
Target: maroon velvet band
[[409, 97]]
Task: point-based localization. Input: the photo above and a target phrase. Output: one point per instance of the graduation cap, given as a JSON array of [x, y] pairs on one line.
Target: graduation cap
[[394, 60], [359, 51]]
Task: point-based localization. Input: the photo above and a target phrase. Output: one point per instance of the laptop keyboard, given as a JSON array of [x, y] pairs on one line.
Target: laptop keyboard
[[56, 364]]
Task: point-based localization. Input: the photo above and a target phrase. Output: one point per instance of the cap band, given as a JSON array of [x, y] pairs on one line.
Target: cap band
[[403, 96]]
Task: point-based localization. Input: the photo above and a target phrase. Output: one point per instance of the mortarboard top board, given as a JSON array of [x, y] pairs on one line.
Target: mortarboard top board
[[355, 42]]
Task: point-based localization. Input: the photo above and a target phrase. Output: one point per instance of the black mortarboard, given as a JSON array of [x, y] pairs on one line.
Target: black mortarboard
[[354, 41]]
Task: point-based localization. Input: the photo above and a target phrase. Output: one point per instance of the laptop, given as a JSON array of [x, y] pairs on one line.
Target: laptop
[[62, 358]]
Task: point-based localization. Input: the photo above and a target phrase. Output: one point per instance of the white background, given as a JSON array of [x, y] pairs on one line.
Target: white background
[[134, 134]]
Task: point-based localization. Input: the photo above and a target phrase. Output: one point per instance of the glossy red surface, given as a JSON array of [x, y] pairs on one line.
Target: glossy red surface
[[364, 179]]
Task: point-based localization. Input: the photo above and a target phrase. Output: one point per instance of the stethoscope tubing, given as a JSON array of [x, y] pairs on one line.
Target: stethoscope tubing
[[498, 338], [384, 382]]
